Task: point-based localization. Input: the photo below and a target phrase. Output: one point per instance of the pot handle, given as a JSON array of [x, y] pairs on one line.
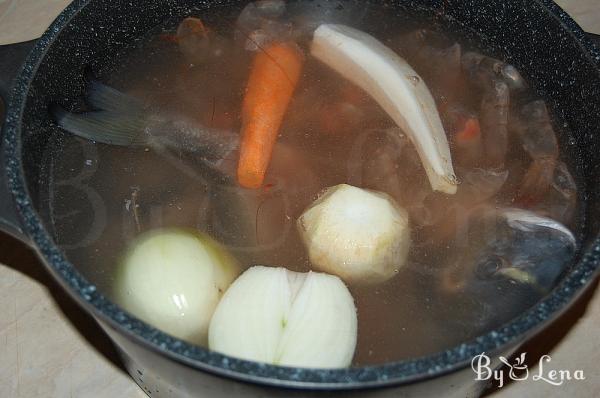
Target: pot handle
[[11, 59]]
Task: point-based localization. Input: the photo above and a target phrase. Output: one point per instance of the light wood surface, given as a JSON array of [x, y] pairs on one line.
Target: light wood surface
[[50, 348]]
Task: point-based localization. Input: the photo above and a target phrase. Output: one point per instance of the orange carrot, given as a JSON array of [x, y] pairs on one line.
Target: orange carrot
[[469, 147], [470, 131], [275, 74]]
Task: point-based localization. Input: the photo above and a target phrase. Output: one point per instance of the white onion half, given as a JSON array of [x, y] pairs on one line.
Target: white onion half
[[286, 318]]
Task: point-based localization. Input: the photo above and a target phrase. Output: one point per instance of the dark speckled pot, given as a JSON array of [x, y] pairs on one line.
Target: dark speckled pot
[[535, 35]]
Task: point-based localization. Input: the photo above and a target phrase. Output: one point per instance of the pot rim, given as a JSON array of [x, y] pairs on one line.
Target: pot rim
[[389, 374]]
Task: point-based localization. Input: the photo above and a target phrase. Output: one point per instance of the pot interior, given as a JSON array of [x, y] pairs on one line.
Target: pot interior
[[93, 199]]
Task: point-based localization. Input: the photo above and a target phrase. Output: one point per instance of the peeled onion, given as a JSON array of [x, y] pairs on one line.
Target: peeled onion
[[174, 279], [286, 318], [359, 235]]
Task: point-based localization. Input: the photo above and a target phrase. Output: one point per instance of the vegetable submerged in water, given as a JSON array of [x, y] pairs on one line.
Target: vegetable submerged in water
[[174, 279], [275, 74], [397, 88], [286, 318], [361, 236]]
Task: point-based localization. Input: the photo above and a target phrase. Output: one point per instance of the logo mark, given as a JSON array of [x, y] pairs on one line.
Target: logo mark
[[518, 370]]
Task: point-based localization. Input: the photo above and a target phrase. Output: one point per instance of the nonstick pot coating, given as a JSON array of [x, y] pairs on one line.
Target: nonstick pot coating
[[535, 36]]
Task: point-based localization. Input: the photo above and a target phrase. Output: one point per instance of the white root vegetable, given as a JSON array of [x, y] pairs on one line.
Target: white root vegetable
[[174, 279], [286, 318], [361, 236], [398, 89]]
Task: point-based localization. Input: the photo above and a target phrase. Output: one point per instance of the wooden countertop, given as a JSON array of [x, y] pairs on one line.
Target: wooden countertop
[[50, 348]]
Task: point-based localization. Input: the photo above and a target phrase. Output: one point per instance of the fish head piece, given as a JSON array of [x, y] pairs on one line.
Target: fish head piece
[[512, 259], [524, 248]]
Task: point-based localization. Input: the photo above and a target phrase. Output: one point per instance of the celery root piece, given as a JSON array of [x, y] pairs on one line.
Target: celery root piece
[[361, 236]]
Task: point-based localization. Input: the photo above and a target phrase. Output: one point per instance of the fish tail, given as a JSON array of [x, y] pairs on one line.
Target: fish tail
[[103, 97], [118, 119], [102, 126]]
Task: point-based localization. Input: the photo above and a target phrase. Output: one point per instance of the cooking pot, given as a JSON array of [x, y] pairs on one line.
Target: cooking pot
[[558, 58]]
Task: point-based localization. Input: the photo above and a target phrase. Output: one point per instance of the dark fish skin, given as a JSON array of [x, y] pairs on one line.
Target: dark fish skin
[[509, 259], [119, 119], [512, 77], [530, 124], [509, 244], [536, 134], [183, 135], [494, 123], [539, 139], [560, 202], [482, 71]]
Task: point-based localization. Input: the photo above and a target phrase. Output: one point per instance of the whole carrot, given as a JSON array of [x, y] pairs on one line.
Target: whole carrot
[[275, 74]]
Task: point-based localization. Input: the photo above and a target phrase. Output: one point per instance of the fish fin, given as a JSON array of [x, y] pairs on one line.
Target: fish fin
[[103, 126], [525, 220], [103, 97]]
